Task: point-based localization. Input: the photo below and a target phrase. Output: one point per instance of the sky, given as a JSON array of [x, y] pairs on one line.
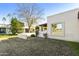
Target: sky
[[49, 9]]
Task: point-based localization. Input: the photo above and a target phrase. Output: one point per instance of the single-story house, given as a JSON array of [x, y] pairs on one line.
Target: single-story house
[[5, 29], [64, 26]]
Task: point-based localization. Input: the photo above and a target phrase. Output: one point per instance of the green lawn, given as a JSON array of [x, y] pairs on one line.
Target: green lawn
[[34, 46], [75, 47]]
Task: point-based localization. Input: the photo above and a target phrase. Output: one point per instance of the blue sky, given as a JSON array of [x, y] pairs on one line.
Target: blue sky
[[49, 8]]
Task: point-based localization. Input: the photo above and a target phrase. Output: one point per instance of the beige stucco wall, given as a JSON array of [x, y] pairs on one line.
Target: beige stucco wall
[[71, 25]]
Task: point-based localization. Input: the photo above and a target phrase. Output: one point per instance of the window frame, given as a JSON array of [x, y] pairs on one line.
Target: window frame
[[53, 33]]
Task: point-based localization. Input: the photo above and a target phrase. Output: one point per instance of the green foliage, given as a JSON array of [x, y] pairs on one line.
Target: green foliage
[[32, 35], [36, 27], [54, 25], [16, 26]]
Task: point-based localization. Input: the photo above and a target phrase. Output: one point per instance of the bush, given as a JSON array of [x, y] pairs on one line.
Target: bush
[[16, 26], [45, 35], [32, 35]]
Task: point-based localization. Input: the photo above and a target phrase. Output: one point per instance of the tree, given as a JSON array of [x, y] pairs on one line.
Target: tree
[[16, 26], [30, 13], [8, 15], [4, 19], [54, 27]]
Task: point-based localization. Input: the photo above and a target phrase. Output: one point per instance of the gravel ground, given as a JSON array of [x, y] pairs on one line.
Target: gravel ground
[[34, 47]]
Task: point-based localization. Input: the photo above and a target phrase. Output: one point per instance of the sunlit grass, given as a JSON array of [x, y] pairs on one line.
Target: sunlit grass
[[5, 37]]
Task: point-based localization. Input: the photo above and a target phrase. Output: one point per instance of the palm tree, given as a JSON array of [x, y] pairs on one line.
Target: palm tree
[[8, 15], [4, 19]]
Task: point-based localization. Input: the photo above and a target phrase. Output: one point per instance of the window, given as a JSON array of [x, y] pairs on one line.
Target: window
[[2, 30], [58, 29]]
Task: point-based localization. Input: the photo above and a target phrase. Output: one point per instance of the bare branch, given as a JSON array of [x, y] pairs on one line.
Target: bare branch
[[30, 13]]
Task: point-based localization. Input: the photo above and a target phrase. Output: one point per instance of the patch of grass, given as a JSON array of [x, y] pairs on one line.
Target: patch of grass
[[75, 47], [6, 36]]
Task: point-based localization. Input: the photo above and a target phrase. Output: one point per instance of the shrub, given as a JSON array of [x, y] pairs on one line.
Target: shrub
[[32, 35]]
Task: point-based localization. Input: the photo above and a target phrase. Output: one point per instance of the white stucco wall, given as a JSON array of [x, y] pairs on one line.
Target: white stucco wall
[[71, 25], [41, 33], [7, 26], [8, 31]]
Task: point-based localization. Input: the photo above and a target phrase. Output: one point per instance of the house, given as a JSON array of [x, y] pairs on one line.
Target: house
[[42, 29], [5, 29], [64, 26], [26, 30]]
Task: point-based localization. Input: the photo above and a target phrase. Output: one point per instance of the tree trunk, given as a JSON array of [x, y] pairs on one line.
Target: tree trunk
[[29, 29]]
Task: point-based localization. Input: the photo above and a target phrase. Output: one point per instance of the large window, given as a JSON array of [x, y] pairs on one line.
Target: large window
[[58, 29], [2, 30]]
